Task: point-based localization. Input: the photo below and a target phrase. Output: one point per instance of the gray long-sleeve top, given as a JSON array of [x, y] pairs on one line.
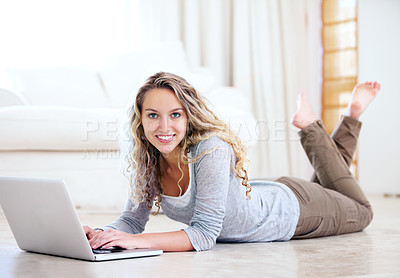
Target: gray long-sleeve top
[[215, 207]]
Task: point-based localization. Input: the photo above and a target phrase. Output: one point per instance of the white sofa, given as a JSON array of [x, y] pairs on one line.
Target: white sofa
[[62, 122]]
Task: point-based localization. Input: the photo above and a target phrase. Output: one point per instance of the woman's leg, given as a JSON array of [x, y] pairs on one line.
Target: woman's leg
[[336, 175], [325, 212], [348, 129], [330, 167], [345, 137], [341, 206]]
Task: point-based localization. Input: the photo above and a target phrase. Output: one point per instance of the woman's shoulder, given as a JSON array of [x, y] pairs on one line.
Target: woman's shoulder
[[211, 143]]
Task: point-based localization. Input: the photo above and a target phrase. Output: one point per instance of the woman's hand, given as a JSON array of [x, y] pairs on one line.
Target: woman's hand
[[111, 238], [90, 233]]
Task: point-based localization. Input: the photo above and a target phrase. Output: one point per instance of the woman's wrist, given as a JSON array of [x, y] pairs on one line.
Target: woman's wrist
[[142, 241]]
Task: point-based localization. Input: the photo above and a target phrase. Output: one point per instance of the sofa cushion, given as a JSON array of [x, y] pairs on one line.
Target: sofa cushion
[[58, 128], [65, 86]]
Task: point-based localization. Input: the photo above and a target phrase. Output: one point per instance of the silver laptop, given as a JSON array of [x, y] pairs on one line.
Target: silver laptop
[[43, 219]]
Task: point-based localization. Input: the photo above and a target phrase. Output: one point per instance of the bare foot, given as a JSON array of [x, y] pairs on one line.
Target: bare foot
[[363, 94], [305, 114]]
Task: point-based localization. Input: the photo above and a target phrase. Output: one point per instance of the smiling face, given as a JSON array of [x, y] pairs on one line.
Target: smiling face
[[164, 120]]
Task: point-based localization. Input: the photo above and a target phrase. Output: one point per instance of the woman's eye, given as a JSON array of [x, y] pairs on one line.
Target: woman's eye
[[152, 116], [175, 115]]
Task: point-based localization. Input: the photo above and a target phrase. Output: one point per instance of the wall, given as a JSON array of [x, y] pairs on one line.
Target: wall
[[379, 59]]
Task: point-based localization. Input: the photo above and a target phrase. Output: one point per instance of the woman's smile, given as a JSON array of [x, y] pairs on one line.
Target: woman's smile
[[165, 138]]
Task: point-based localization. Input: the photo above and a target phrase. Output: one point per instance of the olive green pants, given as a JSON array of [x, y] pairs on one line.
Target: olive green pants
[[332, 202]]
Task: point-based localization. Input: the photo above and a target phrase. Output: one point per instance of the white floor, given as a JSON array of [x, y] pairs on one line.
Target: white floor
[[372, 253]]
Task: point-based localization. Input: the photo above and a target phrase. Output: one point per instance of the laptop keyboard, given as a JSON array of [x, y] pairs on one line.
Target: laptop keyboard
[[107, 251]]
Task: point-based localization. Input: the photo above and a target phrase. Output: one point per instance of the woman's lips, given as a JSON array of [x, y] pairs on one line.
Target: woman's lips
[[165, 138]]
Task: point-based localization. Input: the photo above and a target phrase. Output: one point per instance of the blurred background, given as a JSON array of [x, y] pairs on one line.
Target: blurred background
[[69, 69]]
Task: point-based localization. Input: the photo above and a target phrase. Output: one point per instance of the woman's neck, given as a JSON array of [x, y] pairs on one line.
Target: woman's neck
[[175, 177], [171, 160]]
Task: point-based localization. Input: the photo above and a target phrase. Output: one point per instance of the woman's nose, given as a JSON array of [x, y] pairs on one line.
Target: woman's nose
[[164, 124]]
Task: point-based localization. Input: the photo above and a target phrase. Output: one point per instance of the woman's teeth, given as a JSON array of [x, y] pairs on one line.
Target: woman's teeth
[[165, 137]]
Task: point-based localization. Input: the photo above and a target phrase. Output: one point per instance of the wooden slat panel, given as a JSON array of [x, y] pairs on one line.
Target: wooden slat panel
[[340, 64], [354, 170], [338, 10], [338, 92], [340, 36], [330, 117]]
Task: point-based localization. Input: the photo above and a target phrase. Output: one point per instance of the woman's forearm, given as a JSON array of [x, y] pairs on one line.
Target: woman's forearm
[[168, 241]]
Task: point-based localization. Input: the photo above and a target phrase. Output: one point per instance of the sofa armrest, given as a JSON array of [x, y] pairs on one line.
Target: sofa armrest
[[8, 98]]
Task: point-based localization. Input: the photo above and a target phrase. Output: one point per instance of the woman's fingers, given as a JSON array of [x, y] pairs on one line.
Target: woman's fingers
[[113, 243], [96, 240], [104, 239], [96, 237], [112, 238], [89, 232], [100, 239]]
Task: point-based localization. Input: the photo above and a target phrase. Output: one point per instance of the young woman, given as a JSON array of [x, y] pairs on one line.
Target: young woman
[[183, 158]]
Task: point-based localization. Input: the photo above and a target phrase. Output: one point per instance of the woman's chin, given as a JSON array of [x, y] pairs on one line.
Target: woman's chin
[[165, 151]]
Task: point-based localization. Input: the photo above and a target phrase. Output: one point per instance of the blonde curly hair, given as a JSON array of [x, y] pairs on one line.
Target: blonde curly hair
[[143, 168]]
